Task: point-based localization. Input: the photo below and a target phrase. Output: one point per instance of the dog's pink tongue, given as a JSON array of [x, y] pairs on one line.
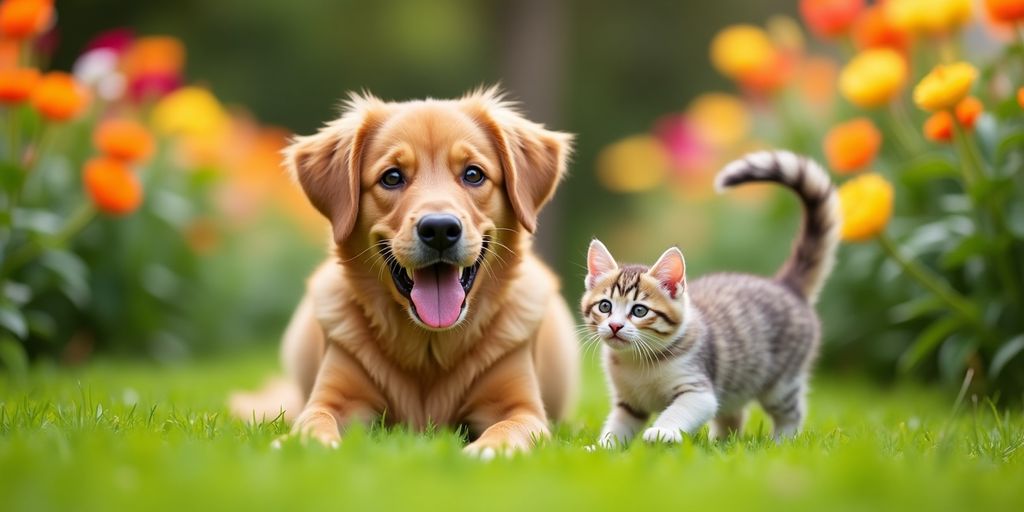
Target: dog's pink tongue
[[438, 295]]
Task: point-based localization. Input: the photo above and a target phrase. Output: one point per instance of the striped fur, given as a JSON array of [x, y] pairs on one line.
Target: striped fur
[[814, 250], [728, 338]]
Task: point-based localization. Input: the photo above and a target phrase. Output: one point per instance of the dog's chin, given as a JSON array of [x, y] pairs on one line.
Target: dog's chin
[[436, 294]]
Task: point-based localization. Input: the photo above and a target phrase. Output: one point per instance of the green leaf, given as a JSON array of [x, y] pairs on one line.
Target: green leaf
[[11, 177], [1005, 354], [1010, 143], [12, 320], [42, 222], [915, 308], [926, 343], [969, 247], [925, 170], [71, 272], [12, 356]]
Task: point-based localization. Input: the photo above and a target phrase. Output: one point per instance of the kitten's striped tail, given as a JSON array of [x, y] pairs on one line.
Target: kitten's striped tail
[[814, 251]]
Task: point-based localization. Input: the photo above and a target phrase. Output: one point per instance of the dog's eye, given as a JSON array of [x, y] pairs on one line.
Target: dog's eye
[[605, 306], [392, 178], [473, 175], [639, 311]]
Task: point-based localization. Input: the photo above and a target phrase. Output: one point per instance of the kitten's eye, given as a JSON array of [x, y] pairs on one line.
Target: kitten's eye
[[639, 311], [392, 178], [473, 175], [605, 306]]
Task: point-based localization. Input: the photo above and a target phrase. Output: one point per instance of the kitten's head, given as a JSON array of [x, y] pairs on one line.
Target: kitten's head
[[633, 307]]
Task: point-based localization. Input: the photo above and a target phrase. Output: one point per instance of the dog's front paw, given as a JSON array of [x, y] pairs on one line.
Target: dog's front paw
[[487, 451], [662, 435], [316, 425]]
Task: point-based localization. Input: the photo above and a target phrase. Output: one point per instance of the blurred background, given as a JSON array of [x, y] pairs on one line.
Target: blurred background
[[215, 258]]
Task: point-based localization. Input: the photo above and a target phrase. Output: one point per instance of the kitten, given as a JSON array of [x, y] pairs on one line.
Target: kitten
[[702, 350]]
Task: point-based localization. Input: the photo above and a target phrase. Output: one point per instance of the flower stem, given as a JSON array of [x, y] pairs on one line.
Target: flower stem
[[904, 129], [78, 220], [972, 165], [930, 281]]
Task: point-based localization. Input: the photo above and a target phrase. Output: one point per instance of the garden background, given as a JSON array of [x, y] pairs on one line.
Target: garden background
[[158, 249]]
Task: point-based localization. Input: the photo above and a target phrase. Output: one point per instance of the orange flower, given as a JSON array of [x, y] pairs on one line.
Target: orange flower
[[874, 29], [112, 186], [968, 110], [939, 126], [156, 55], [1006, 10], [830, 18], [22, 19], [123, 139], [58, 97], [16, 84], [852, 145], [1020, 97]]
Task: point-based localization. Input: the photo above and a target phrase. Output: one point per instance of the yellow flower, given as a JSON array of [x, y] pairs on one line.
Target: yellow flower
[[866, 205], [190, 111], [633, 164], [873, 77], [931, 17], [721, 119], [740, 50], [945, 86]]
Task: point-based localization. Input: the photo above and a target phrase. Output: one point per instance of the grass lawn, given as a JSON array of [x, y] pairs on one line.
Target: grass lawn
[[131, 436]]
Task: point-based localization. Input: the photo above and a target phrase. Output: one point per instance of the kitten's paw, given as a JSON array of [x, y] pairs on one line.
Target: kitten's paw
[[662, 435]]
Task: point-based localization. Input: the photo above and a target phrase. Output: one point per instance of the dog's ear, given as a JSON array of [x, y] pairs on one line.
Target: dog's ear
[[534, 158], [326, 164]]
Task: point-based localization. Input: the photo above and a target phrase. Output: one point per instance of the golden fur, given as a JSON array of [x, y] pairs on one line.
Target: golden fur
[[354, 351]]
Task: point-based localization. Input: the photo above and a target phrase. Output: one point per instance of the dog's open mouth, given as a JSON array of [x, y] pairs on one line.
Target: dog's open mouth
[[437, 292]]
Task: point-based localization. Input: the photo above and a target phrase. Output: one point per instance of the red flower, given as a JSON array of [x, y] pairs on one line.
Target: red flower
[[830, 18]]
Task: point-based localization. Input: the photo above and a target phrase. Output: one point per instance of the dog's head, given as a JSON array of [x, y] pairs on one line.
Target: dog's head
[[431, 188]]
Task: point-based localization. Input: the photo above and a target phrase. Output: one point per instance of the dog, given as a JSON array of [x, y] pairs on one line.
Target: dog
[[433, 310]]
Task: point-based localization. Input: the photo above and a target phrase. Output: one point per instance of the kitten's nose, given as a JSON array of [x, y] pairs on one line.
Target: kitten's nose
[[615, 328]]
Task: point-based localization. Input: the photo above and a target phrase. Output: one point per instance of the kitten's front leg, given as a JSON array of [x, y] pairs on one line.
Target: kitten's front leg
[[622, 424], [688, 411]]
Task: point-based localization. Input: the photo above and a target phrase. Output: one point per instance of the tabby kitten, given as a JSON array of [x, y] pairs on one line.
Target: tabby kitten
[[699, 351]]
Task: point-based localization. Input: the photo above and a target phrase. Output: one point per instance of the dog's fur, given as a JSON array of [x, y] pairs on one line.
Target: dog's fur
[[355, 350]]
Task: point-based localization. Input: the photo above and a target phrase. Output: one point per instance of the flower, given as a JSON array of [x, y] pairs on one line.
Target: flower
[[16, 84], [945, 86], [866, 205], [720, 119], [190, 111], [817, 81], [98, 68], [1020, 97], [633, 164], [153, 66], [123, 139], [939, 126], [873, 77], [1005, 10], [58, 97], [830, 18], [931, 17], [22, 19], [741, 50], [112, 186], [852, 145], [873, 29]]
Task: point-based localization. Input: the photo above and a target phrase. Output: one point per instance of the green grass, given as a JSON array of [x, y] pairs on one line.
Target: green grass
[[129, 436]]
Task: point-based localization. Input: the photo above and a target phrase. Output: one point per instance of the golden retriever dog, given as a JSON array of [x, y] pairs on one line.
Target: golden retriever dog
[[433, 310]]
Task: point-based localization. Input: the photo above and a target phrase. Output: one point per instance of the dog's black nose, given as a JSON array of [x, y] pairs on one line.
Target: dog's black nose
[[439, 230]]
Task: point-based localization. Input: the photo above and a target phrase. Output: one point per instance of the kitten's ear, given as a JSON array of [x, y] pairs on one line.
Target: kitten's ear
[[599, 262], [670, 271]]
